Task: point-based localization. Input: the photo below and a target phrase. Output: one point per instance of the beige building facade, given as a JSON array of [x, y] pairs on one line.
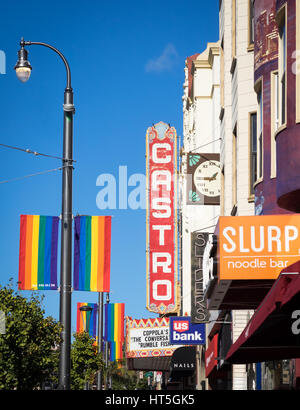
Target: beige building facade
[[238, 108]]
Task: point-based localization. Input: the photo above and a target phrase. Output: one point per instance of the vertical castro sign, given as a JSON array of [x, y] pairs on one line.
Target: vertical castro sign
[[161, 190]]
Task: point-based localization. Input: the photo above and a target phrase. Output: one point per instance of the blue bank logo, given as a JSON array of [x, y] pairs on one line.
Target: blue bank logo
[[183, 332]]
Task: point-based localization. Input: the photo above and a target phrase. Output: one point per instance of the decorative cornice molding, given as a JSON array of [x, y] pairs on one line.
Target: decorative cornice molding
[[205, 59], [201, 64], [214, 51]]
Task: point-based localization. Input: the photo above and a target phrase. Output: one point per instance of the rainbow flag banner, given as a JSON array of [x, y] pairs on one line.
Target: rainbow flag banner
[[114, 329], [116, 351], [92, 243], [114, 322], [38, 252], [87, 321]]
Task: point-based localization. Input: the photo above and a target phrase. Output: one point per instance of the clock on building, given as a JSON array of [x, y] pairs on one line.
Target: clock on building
[[203, 179]]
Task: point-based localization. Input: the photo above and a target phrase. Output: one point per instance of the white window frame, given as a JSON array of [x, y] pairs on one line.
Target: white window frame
[[282, 64], [275, 121]]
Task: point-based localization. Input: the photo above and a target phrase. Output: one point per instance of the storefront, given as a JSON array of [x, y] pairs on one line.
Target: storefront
[[217, 370], [272, 337], [183, 369]]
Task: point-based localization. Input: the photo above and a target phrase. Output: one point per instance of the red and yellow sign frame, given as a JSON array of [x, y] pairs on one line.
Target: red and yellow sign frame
[[161, 218], [140, 332]]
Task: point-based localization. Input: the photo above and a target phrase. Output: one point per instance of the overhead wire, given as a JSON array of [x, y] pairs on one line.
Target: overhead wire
[[204, 145], [29, 151], [32, 175]]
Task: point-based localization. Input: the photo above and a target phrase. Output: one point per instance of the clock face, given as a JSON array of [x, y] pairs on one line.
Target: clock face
[[207, 178]]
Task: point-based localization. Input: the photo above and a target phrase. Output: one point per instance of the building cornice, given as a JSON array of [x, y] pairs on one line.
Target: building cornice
[[213, 51], [203, 97], [201, 64], [205, 60]]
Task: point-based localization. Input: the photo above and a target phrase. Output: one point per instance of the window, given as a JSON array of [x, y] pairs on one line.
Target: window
[[259, 162], [282, 65], [295, 67], [234, 27], [275, 81], [222, 208], [234, 167], [251, 23], [234, 31], [253, 152], [274, 118], [222, 74]]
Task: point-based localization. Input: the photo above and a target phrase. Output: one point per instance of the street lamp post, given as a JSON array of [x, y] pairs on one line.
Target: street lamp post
[[23, 70], [100, 337], [107, 351]]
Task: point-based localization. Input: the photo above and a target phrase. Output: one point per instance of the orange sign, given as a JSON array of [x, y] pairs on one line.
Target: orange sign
[[257, 247]]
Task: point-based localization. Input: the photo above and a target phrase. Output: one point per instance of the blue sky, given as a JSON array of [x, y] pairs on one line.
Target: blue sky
[[127, 63]]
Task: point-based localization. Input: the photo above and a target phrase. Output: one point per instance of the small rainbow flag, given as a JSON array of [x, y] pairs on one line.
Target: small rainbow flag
[[116, 351], [87, 321], [92, 243], [114, 329], [38, 252], [114, 322]]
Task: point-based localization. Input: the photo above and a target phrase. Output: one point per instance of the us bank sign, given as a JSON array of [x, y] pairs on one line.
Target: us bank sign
[[184, 332]]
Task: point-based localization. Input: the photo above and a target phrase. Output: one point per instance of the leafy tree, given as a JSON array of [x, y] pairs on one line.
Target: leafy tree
[[124, 379], [86, 361], [27, 349]]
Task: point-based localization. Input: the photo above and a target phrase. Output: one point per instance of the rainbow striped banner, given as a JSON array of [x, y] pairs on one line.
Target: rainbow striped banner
[[116, 351], [114, 329], [114, 322], [82, 318], [92, 243], [38, 252]]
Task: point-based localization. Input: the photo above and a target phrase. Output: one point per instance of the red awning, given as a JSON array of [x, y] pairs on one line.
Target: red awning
[[269, 334], [211, 356]]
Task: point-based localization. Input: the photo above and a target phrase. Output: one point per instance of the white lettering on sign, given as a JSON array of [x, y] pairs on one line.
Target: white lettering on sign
[[181, 326], [168, 287], [209, 358], [257, 247], [162, 147], [277, 240], [143, 339], [196, 336], [158, 181], [231, 242], [157, 205], [164, 264], [161, 229]]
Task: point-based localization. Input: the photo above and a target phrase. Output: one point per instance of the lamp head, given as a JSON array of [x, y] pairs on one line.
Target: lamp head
[[85, 308], [23, 67]]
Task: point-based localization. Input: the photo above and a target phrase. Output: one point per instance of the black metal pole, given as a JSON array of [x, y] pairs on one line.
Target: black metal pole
[[66, 243], [100, 336], [66, 218], [106, 351]]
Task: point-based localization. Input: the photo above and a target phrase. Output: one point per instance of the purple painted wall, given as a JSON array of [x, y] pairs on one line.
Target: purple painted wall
[[288, 140], [266, 61]]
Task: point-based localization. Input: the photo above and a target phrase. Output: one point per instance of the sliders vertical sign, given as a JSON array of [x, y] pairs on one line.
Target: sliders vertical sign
[[161, 190]]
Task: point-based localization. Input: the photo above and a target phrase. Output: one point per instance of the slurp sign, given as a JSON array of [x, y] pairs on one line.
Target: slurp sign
[[161, 189], [257, 247], [184, 332]]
